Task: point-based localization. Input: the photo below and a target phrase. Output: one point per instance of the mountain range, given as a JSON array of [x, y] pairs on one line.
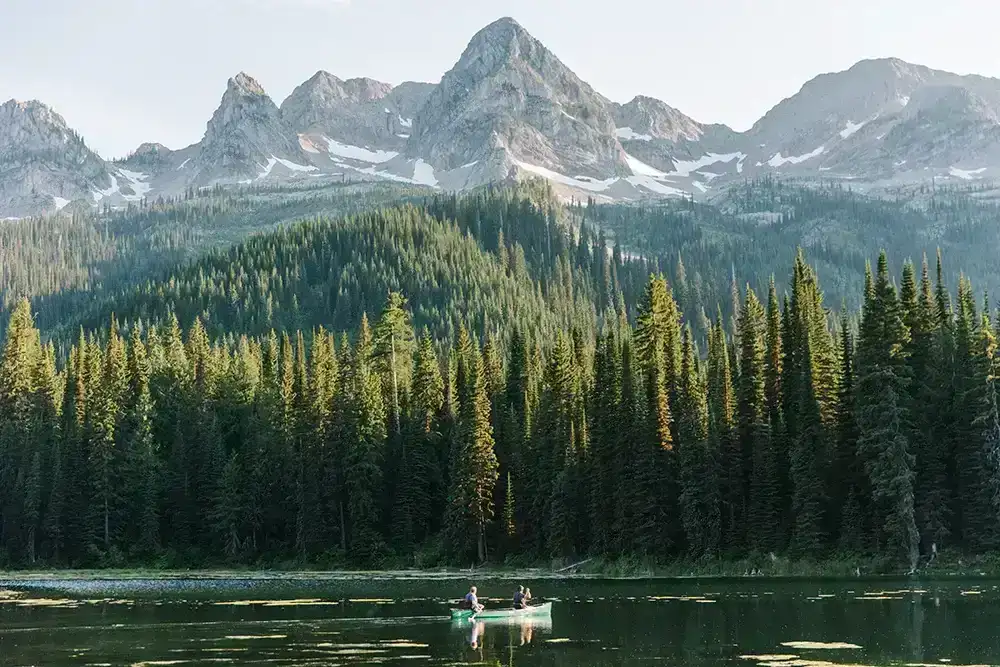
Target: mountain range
[[509, 109]]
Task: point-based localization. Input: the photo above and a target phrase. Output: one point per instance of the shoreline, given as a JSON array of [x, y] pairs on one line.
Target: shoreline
[[741, 571]]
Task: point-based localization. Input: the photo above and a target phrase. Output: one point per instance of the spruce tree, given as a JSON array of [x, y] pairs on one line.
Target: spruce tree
[[751, 481], [883, 420], [657, 352], [699, 499], [365, 454], [475, 469], [142, 483]]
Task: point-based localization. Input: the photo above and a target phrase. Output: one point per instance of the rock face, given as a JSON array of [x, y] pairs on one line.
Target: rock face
[[44, 165], [244, 137], [881, 120], [509, 108], [149, 158], [509, 100], [357, 112], [662, 136]]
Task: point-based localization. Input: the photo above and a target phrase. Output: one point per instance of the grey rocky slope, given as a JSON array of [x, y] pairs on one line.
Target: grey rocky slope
[[882, 121], [358, 112], [510, 108], [44, 164], [509, 100], [245, 137]]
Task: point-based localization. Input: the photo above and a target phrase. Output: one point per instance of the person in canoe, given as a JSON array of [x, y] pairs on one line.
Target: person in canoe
[[527, 596], [471, 601], [519, 602]]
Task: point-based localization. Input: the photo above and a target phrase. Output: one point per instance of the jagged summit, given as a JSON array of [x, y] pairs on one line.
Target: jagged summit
[[245, 84], [509, 108], [44, 164], [509, 101]]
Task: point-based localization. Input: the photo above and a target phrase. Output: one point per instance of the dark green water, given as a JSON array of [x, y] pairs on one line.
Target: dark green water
[[358, 621]]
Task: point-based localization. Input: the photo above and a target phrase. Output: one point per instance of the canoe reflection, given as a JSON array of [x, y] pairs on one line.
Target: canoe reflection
[[521, 630]]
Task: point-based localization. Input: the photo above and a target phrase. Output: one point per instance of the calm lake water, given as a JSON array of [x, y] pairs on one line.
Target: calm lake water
[[401, 621]]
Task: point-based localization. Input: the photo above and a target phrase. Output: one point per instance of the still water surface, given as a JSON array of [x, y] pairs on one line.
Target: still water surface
[[401, 621]]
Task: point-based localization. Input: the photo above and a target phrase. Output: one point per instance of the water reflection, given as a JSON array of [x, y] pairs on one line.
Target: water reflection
[[495, 637], [599, 624]]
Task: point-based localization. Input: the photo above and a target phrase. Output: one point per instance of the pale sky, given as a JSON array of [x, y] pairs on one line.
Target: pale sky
[[126, 71]]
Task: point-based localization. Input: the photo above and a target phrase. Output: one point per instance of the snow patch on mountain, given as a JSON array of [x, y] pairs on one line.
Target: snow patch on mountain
[[139, 183], [655, 186], [642, 169], [686, 167], [777, 160], [423, 174], [358, 153], [582, 183], [113, 190], [851, 128], [629, 134], [60, 202], [965, 174], [292, 166], [271, 161]]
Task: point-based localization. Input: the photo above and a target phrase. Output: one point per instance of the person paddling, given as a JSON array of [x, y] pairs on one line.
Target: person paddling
[[473, 601], [519, 598]]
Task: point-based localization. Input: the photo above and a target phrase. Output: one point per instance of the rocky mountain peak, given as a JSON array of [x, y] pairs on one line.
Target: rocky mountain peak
[[508, 92], [505, 31], [649, 117], [149, 148], [244, 133], [363, 89], [319, 101], [244, 84], [504, 43], [45, 164], [19, 120]]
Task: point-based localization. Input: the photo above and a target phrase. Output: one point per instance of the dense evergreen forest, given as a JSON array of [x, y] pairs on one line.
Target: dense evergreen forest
[[66, 263], [491, 377]]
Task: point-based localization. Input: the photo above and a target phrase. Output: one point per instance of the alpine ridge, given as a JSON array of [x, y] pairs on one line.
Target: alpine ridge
[[510, 109]]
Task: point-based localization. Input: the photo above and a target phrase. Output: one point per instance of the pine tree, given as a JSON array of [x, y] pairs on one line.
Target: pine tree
[[106, 458], [699, 499], [657, 344], [882, 418], [18, 503], [475, 470], [810, 377], [365, 454], [392, 353], [141, 488], [929, 368], [751, 484], [420, 484], [848, 484], [605, 406], [557, 454], [987, 421]]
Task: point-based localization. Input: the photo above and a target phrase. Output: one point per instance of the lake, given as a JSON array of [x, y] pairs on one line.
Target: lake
[[399, 620]]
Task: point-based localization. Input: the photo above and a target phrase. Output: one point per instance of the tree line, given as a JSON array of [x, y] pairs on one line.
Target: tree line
[[789, 430]]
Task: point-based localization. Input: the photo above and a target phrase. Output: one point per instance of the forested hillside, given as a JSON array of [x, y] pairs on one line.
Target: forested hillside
[[794, 437], [65, 262], [755, 229], [491, 376]]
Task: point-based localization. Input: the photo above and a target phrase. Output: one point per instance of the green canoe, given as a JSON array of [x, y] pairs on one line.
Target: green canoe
[[530, 612]]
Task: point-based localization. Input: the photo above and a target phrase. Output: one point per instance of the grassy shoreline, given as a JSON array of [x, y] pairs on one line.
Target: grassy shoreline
[[945, 566]]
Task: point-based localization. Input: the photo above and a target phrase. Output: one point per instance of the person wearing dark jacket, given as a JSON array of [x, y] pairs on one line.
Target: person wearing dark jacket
[[519, 602]]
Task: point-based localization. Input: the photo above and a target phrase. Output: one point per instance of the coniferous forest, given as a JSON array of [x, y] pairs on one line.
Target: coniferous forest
[[475, 379]]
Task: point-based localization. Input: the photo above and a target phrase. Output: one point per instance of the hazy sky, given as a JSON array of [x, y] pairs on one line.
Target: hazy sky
[[126, 71]]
